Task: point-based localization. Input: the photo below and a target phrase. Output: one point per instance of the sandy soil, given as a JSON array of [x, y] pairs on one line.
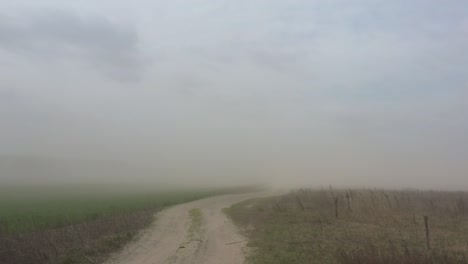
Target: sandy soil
[[171, 240]]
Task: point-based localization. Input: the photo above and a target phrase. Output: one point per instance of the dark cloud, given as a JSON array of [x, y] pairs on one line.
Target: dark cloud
[[64, 36]]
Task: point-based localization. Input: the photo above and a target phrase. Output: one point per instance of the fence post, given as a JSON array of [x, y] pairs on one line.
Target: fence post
[[348, 197], [388, 200], [335, 201], [426, 225], [299, 201], [277, 206]]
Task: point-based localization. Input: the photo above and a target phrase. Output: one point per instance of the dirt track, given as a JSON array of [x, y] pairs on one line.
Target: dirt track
[[174, 240]]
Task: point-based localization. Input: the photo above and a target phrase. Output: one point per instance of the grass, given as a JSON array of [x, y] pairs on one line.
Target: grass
[[376, 226], [97, 253], [24, 210], [194, 233], [196, 218], [80, 223]]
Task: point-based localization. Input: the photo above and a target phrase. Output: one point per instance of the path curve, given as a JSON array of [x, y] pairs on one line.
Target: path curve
[[176, 239]]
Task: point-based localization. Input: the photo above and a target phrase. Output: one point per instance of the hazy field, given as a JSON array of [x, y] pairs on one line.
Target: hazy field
[[78, 223], [368, 226], [24, 209]]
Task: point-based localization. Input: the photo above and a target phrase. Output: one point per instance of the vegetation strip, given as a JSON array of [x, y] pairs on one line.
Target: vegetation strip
[[196, 218], [194, 233], [355, 226]]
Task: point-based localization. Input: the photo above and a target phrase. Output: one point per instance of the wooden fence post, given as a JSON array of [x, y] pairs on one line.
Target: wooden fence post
[[299, 201], [348, 197], [335, 201], [426, 225], [388, 200]]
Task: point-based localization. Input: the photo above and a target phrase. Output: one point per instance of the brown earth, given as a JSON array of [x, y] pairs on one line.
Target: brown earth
[[177, 238]]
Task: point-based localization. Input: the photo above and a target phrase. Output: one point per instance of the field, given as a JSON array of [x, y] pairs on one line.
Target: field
[[37, 208], [81, 223], [355, 226]]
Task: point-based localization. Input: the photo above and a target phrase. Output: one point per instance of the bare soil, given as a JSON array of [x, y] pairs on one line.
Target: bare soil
[[177, 237]]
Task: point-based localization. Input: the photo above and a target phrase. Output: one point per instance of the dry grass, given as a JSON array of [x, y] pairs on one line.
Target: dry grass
[[373, 226], [88, 242]]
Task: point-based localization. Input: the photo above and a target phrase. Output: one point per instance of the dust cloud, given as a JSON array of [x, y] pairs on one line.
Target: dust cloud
[[203, 93]]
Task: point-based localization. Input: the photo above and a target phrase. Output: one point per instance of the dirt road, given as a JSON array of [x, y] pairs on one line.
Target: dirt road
[[197, 233]]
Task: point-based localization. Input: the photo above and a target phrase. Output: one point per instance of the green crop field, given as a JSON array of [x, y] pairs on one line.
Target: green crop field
[[80, 223], [25, 209]]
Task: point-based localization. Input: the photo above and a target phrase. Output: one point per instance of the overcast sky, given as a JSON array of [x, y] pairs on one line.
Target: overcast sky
[[366, 93]]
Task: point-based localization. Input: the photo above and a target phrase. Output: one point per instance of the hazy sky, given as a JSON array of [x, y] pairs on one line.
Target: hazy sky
[[366, 93]]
